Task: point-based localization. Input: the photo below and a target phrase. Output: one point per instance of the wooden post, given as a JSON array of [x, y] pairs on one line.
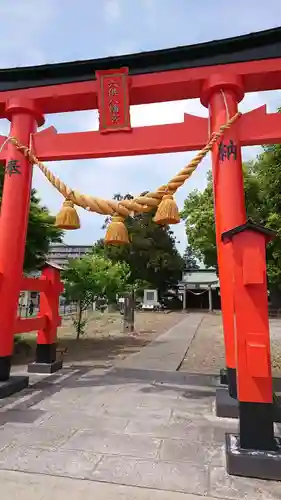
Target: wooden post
[[210, 298], [129, 313], [184, 298]]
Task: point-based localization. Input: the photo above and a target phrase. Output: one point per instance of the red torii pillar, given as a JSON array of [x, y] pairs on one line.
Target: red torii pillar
[[24, 117], [254, 379], [46, 349], [221, 95]]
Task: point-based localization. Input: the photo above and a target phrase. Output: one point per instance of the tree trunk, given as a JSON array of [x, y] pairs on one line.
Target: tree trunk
[[79, 320], [129, 313]]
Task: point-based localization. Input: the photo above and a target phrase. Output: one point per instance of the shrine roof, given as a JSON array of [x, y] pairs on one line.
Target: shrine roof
[[251, 47]]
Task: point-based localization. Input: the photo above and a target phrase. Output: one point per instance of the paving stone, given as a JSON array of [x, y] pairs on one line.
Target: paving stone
[[216, 426], [117, 400], [105, 427], [36, 437], [44, 487], [172, 476], [59, 462], [126, 385], [183, 408], [198, 394], [21, 417], [168, 377], [73, 400], [79, 420], [230, 487], [172, 392], [167, 351], [185, 430], [5, 438], [159, 402], [193, 409], [98, 369], [138, 412], [114, 444], [179, 450], [64, 377], [220, 430]]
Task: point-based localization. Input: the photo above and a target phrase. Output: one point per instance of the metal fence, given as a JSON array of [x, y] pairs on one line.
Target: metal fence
[[64, 310]]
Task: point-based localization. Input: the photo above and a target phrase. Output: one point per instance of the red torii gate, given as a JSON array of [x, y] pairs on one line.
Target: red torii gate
[[219, 73]]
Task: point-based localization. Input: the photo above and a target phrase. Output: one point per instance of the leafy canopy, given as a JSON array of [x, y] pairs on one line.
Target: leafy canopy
[[152, 255], [40, 233], [190, 262], [198, 213], [94, 276], [262, 184]]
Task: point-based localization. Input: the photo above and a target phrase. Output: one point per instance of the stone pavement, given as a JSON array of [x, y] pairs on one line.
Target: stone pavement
[[90, 432], [25, 486], [168, 350]]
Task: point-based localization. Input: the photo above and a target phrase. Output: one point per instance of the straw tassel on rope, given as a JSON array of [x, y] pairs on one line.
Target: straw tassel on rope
[[162, 198], [67, 218], [167, 212], [116, 233], [124, 207]]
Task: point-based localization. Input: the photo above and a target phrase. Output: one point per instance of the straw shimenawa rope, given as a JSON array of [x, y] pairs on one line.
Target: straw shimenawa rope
[[124, 208]]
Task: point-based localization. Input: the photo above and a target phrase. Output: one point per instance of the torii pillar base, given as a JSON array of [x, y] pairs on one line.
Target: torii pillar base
[[252, 463], [227, 407], [45, 362], [45, 368], [223, 376], [13, 385]]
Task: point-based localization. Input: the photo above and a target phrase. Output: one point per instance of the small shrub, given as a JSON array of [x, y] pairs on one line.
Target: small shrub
[[80, 326]]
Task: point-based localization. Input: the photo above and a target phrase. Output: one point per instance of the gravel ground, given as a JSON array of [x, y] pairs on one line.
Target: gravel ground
[[206, 352]]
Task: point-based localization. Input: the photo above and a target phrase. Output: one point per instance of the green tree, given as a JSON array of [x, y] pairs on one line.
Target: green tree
[[152, 254], [267, 169], [198, 213], [262, 184], [40, 233], [190, 262], [91, 277], [139, 286]]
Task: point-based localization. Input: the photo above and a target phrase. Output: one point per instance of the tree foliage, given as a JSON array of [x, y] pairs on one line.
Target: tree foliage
[[198, 213], [267, 169], [152, 255], [91, 277], [190, 262], [262, 184], [40, 233]]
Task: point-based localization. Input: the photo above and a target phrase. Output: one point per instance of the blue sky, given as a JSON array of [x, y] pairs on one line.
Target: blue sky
[[45, 31]]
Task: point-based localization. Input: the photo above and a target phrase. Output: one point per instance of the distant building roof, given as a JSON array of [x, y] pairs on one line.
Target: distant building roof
[[61, 253], [203, 277], [53, 264], [66, 245]]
